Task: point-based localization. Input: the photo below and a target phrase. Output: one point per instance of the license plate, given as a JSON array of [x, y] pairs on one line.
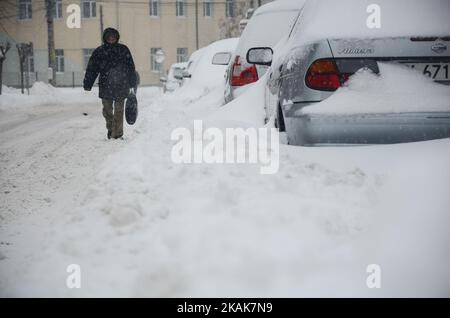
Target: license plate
[[436, 71]]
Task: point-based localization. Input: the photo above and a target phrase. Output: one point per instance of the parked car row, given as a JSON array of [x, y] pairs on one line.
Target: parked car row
[[326, 44], [310, 48]]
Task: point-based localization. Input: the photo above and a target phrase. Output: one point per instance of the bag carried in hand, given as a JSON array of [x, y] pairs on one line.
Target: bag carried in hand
[[131, 109]]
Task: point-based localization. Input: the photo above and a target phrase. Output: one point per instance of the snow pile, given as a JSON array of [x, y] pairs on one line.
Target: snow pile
[[41, 88], [145, 226], [42, 94], [348, 19], [149, 227], [247, 110], [8, 90], [397, 89]]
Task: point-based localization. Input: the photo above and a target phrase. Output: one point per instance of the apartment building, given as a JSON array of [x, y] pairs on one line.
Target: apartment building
[[145, 27]]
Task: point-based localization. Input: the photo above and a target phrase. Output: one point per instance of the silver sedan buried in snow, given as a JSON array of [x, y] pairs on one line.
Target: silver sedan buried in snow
[[309, 67]]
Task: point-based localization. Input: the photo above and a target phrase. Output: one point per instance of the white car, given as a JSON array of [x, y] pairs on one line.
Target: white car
[[266, 27], [207, 66]]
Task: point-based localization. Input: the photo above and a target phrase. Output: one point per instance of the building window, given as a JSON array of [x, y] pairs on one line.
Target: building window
[[154, 8], [154, 65], [30, 66], [207, 8], [25, 10], [86, 56], [58, 13], [59, 60], [182, 54], [229, 8], [89, 9], [180, 8]]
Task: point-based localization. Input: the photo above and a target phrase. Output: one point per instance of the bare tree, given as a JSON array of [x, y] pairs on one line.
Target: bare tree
[[229, 26], [3, 50]]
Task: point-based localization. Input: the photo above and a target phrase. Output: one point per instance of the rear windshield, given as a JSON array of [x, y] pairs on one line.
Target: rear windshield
[[266, 30]]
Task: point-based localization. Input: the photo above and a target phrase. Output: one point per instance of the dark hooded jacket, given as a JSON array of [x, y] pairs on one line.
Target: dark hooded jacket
[[114, 64]]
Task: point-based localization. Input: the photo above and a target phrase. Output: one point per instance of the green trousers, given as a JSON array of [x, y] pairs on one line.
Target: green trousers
[[113, 113]]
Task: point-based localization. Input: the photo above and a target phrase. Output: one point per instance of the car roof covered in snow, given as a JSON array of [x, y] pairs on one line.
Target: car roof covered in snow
[[179, 65], [280, 5], [324, 19], [268, 25]]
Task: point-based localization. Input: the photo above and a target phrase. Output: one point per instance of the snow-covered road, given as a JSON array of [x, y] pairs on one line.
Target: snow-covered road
[[140, 225], [49, 156], [44, 155]]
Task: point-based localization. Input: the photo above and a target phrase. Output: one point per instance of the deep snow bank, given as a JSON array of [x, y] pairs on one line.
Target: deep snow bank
[[149, 227], [42, 94], [247, 110]]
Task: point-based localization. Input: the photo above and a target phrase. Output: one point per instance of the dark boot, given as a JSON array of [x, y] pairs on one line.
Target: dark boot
[[109, 134]]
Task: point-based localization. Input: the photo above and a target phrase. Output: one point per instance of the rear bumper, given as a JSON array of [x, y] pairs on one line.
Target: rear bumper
[[320, 129]]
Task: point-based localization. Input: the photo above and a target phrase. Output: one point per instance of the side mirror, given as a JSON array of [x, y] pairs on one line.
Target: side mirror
[[178, 74], [260, 56], [186, 74], [222, 58]]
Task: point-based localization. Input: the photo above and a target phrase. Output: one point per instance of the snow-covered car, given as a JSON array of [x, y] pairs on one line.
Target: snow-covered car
[[206, 67], [268, 24], [330, 42], [175, 77], [192, 63]]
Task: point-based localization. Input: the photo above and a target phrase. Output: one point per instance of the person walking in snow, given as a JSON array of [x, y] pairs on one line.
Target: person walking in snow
[[114, 63]]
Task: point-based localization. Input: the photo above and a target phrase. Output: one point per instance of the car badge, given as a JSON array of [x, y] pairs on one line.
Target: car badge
[[439, 47]]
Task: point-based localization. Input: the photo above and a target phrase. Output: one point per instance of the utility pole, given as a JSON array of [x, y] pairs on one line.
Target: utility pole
[[117, 14], [101, 24], [196, 25], [3, 50], [50, 6]]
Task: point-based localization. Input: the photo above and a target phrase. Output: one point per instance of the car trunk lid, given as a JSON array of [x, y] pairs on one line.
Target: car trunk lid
[[429, 55]]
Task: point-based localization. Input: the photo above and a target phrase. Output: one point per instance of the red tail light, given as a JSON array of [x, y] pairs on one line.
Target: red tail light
[[323, 75], [243, 74]]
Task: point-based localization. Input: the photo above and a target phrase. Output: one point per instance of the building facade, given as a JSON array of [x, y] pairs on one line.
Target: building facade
[[145, 26]]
